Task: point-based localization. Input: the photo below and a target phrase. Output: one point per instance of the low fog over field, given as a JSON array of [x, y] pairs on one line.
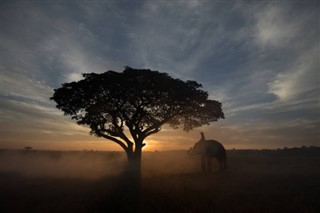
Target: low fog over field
[[61, 164], [256, 181], [95, 164], [91, 164]]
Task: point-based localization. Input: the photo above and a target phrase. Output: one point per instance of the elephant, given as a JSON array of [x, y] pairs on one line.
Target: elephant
[[209, 149]]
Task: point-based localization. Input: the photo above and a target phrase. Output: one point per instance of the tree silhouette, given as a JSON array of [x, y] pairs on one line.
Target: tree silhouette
[[136, 102]]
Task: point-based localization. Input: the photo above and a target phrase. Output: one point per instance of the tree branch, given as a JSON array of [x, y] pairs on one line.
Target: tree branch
[[115, 140], [133, 131], [116, 133], [156, 126], [156, 130]]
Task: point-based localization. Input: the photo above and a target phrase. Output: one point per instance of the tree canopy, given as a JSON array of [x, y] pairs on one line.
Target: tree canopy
[[138, 100]]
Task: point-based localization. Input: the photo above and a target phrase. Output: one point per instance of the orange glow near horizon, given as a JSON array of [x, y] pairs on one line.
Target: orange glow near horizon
[[163, 141], [77, 138]]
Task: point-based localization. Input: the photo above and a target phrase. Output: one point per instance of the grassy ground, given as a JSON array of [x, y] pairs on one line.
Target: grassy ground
[[171, 182]]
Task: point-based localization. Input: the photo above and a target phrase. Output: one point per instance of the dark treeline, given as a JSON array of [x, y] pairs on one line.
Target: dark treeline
[[295, 151], [56, 154]]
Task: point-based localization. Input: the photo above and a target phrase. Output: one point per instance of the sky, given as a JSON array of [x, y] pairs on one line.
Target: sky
[[260, 59]]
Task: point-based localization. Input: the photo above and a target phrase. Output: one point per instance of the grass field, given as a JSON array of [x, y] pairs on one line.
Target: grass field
[[256, 181]]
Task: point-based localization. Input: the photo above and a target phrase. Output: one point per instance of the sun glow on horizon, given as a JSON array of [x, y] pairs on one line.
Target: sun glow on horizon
[[166, 140]]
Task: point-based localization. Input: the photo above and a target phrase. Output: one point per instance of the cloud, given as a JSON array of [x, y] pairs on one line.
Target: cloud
[[301, 80], [17, 85], [52, 48], [281, 61], [30, 118], [259, 60], [193, 3], [178, 41], [74, 52], [41, 51], [44, 127], [274, 27]]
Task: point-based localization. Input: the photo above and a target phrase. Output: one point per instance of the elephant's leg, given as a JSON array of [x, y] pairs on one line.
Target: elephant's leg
[[221, 165], [203, 164], [209, 165], [225, 164]]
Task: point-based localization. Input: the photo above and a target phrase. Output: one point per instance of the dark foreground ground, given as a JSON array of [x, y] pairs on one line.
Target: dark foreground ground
[[257, 181]]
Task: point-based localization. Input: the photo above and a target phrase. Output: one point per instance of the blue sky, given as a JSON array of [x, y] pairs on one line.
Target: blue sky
[[259, 58]]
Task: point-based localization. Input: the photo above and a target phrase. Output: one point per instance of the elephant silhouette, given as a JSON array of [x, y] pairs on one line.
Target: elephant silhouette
[[209, 149]]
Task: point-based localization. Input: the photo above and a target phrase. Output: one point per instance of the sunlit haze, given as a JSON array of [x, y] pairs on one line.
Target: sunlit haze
[[260, 60]]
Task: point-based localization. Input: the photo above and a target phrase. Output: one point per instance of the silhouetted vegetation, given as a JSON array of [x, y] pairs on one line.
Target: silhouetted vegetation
[[138, 100], [28, 148]]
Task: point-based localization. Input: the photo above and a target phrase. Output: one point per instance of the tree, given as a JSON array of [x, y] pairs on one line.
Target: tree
[[136, 102]]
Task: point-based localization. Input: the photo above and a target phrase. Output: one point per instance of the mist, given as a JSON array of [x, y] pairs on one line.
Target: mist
[[171, 181], [57, 164], [91, 164]]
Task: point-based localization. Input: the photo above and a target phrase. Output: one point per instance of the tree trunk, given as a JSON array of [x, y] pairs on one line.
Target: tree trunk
[[133, 171], [134, 162], [130, 183]]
